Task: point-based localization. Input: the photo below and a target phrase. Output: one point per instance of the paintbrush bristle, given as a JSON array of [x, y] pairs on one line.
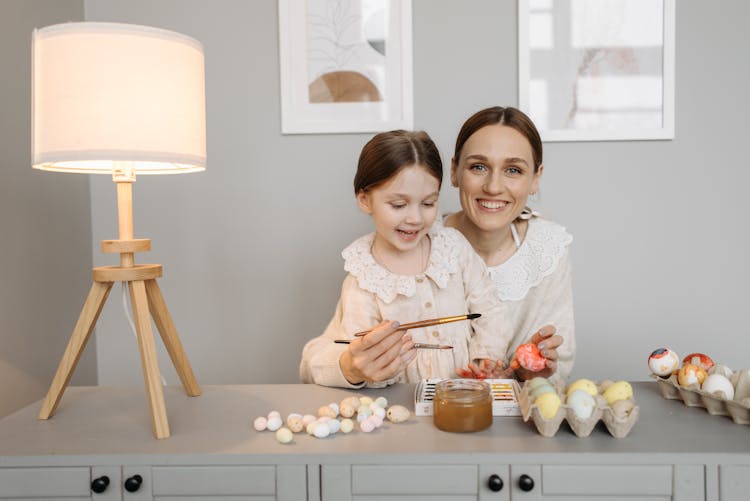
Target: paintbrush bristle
[[472, 316]]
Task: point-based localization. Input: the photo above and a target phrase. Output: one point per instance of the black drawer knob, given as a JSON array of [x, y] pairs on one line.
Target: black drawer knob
[[525, 483], [133, 483], [100, 484], [495, 483]]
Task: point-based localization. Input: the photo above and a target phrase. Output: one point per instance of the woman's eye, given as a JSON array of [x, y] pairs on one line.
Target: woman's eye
[[514, 170], [478, 167]]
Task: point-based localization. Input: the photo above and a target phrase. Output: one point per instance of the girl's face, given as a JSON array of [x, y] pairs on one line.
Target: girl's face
[[403, 209], [494, 175]]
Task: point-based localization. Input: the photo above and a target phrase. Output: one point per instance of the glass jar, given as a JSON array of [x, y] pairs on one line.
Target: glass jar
[[462, 405]]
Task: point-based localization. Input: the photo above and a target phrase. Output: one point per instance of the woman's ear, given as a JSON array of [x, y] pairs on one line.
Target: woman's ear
[[454, 175], [537, 179], [364, 201]]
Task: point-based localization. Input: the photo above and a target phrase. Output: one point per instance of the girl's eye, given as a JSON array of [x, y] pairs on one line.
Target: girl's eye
[[398, 206], [429, 204]]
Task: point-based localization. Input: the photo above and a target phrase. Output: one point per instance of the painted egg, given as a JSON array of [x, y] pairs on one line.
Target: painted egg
[[541, 390], [347, 425], [663, 362], [327, 411], [620, 390], [530, 358], [586, 385], [537, 381], [719, 385], [295, 424], [582, 403], [690, 374], [699, 359], [548, 404]]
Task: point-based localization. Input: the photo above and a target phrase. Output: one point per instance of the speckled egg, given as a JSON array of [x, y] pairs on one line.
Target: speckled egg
[[284, 435], [719, 385], [260, 423], [397, 413], [663, 362], [620, 390], [582, 403]]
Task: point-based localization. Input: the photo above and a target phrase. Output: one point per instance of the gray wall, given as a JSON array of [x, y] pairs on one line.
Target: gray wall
[[45, 248], [251, 246]]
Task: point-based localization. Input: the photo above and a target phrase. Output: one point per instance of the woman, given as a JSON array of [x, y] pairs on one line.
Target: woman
[[496, 165]]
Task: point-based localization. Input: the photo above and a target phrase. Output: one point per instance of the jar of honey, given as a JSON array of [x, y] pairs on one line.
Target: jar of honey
[[462, 405]]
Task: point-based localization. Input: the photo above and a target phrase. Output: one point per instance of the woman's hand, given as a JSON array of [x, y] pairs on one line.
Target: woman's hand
[[547, 342], [485, 368], [379, 355]]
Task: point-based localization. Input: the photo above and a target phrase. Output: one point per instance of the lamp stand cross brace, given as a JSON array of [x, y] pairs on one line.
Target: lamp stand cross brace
[[146, 298]]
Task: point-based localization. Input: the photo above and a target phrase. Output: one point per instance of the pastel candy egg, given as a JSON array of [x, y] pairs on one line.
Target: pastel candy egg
[[690, 374], [583, 384], [284, 435], [365, 401], [334, 425], [347, 425], [719, 385], [381, 402], [274, 414], [663, 362], [376, 420], [347, 409], [321, 430], [295, 424], [326, 411], [620, 390], [582, 403], [308, 418], [274, 423], [397, 414], [361, 416], [260, 423], [548, 404], [366, 426], [310, 428], [335, 408], [379, 411]]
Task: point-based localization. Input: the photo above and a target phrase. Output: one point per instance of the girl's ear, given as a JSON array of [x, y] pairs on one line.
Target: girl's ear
[[454, 175], [364, 201]]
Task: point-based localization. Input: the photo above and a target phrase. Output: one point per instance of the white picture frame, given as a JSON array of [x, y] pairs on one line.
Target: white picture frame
[[345, 66], [597, 70]]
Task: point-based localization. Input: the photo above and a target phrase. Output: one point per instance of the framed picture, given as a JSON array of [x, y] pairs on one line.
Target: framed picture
[[597, 70], [345, 65]]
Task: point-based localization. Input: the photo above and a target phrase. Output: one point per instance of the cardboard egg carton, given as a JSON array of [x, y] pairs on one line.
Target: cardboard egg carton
[[692, 396], [618, 426]]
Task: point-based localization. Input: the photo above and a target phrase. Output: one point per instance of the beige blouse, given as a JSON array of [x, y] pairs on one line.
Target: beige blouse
[[456, 282]]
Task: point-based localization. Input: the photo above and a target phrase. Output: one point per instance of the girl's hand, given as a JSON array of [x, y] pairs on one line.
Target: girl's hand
[[485, 368], [379, 355], [547, 342]]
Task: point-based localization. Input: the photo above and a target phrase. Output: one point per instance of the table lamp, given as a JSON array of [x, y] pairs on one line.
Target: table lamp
[[119, 99]]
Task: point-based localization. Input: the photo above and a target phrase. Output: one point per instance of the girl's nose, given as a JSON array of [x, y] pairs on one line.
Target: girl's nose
[[414, 215]]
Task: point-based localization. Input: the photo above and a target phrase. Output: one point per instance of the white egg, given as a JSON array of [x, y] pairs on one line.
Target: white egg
[[720, 385], [322, 430], [274, 423], [582, 403], [260, 423], [381, 402]]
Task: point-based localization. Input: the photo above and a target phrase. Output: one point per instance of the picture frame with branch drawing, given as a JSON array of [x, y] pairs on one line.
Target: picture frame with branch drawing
[[345, 66]]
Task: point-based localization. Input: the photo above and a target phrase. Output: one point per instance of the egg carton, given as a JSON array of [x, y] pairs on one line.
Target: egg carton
[[693, 396], [618, 426]]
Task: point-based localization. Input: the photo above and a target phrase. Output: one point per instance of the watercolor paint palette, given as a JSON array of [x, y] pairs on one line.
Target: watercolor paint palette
[[504, 397]]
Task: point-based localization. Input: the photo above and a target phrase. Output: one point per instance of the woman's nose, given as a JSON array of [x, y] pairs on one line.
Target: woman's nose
[[494, 184]]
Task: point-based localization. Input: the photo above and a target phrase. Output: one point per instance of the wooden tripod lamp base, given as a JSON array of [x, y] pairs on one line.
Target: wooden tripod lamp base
[[147, 302]]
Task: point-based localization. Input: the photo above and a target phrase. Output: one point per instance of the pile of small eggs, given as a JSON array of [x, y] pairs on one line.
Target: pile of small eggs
[[365, 412], [583, 403]]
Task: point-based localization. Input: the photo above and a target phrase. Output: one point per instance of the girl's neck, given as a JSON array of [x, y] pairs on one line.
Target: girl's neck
[[412, 262], [494, 247]]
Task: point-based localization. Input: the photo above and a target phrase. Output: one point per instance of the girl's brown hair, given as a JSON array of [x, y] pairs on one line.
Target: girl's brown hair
[[510, 117], [388, 152]]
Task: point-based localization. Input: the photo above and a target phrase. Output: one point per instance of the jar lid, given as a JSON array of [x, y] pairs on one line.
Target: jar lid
[[462, 390]]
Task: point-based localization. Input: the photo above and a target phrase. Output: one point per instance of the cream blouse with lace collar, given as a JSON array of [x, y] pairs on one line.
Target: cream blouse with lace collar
[[455, 282]]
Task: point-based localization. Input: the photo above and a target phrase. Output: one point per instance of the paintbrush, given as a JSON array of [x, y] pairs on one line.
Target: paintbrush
[[424, 346], [427, 323]]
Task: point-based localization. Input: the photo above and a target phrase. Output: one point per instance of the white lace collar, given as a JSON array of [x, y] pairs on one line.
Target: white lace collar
[[373, 277], [538, 256]]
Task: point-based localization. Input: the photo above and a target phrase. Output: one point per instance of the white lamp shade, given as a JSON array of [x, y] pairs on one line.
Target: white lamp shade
[[107, 92]]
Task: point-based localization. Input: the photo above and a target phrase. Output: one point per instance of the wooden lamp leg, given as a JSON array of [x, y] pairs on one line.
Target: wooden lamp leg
[[170, 338], [148, 358], [81, 332]]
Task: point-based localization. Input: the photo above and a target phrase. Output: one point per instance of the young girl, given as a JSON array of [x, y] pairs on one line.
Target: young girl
[[406, 271]]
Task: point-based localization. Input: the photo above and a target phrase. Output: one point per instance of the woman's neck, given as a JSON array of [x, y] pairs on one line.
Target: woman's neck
[[494, 247]]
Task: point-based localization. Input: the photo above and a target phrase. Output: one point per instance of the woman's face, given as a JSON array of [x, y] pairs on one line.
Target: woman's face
[[494, 175]]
